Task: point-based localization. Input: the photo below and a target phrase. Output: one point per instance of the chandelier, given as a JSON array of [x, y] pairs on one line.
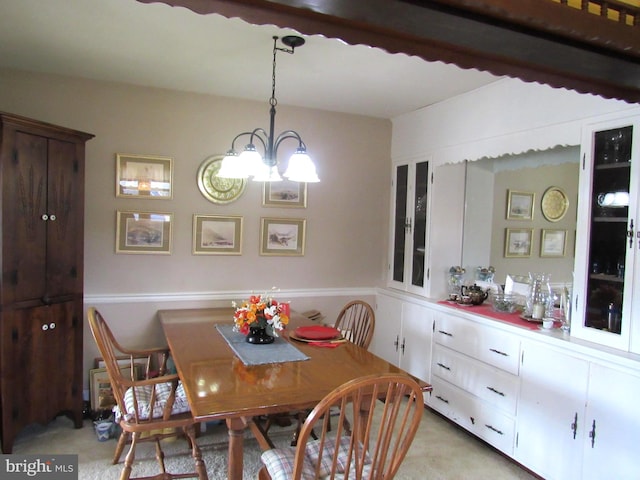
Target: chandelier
[[250, 163]]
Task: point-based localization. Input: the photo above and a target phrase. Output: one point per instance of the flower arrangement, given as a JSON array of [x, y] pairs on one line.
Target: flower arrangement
[[261, 313]]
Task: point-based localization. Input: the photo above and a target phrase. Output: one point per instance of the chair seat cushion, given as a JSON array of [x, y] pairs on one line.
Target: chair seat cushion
[[143, 396], [279, 462]]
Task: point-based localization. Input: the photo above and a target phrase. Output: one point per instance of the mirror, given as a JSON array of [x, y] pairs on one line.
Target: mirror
[[487, 184]]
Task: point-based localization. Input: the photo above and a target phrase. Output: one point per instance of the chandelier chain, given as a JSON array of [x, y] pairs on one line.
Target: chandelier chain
[[265, 168], [273, 101]]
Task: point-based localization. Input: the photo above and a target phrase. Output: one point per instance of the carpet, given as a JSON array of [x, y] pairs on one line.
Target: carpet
[[94, 457], [440, 451]]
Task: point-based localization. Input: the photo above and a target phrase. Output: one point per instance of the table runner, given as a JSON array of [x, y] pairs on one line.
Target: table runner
[[277, 352], [487, 311]]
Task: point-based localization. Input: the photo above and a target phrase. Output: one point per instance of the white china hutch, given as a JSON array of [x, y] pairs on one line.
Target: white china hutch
[[525, 391]]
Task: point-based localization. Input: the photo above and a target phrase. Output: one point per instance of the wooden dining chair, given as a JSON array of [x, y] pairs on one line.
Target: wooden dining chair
[[147, 409], [385, 411], [357, 321]]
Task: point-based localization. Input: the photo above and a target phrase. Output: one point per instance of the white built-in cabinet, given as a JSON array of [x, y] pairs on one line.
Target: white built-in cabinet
[[403, 334], [607, 267], [410, 187], [562, 410], [474, 374], [551, 423], [577, 418], [613, 424], [427, 210]]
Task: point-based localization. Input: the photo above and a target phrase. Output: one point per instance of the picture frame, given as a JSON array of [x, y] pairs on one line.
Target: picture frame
[[284, 194], [144, 176], [520, 205], [518, 242], [100, 391], [282, 236], [217, 235], [553, 243], [122, 360], [143, 232]]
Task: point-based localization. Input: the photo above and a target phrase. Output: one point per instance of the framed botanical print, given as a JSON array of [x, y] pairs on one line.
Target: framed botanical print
[[143, 232], [518, 242], [520, 205], [217, 235], [284, 194], [282, 236], [143, 176]]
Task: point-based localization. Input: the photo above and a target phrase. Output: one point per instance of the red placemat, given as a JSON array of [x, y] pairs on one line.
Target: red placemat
[[488, 311], [317, 332]]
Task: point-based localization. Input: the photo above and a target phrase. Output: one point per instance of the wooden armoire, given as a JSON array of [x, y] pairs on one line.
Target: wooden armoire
[[41, 289]]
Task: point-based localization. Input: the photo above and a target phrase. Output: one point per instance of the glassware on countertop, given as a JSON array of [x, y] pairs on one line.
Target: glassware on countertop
[[456, 280], [539, 295]]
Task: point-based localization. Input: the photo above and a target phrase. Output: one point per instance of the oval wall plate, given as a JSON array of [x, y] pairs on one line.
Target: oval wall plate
[[217, 189], [554, 204]]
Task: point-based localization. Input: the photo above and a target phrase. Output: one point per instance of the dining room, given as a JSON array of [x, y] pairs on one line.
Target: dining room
[[341, 223]]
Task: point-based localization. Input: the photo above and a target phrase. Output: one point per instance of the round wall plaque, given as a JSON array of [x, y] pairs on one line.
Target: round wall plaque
[[554, 204], [217, 189]]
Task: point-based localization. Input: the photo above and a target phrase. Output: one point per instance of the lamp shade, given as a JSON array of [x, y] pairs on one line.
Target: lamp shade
[[301, 168], [231, 167], [250, 163], [267, 173]]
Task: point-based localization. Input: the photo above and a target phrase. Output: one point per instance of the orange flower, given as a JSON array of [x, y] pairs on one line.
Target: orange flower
[[259, 311]]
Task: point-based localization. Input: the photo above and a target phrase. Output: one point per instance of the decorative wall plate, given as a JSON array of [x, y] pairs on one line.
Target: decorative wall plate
[[554, 204], [216, 189]]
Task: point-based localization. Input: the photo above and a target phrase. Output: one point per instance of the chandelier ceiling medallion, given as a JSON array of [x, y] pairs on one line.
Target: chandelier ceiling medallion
[[250, 163]]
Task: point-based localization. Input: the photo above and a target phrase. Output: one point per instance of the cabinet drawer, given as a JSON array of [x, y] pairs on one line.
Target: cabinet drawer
[[452, 402], [496, 387], [499, 349], [496, 428], [473, 414]]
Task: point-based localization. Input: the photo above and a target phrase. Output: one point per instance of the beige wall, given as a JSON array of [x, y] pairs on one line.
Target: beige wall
[[347, 214]]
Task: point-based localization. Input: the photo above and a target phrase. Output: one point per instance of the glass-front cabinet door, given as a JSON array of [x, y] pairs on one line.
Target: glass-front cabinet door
[[409, 227], [608, 240]]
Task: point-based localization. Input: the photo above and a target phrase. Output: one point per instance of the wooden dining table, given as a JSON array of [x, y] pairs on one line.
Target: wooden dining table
[[219, 386]]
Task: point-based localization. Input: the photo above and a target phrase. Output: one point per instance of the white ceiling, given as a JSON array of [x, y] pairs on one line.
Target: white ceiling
[[160, 46]]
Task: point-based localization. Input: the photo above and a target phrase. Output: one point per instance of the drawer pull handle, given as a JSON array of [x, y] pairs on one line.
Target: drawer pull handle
[[444, 366], [442, 399], [445, 333], [490, 427], [498, 352], [498, 392]]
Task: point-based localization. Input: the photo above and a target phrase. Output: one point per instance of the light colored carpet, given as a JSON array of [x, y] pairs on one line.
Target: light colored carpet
[[439, 451]]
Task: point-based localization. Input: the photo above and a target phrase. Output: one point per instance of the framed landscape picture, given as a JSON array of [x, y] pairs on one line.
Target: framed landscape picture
[[217, 235], [143, 232], [143, 176], [520, 205], [518, 242], [282, 236], [553, 243], [284, 194]]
